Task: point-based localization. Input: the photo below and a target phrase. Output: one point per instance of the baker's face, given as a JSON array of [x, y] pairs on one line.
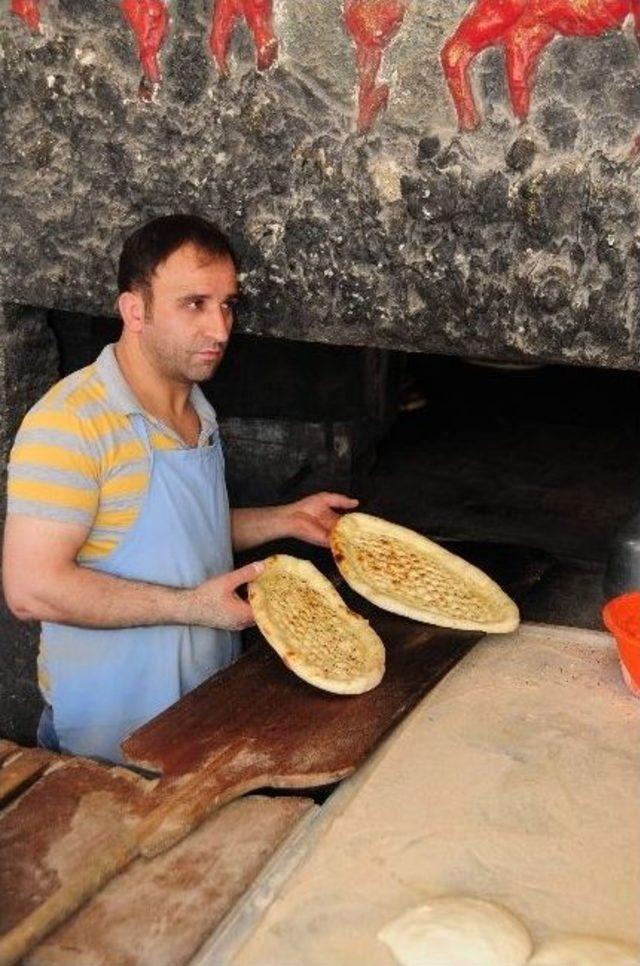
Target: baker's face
[[190, 314]]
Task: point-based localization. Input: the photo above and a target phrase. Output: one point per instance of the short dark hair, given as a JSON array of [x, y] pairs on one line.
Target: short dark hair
[[151, 244]]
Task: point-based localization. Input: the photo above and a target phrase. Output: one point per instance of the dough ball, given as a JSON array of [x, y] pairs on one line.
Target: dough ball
[[458, 931], [585, 951]]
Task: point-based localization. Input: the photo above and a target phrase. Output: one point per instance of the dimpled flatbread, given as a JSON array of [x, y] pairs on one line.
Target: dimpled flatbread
[[405, 573], [308, 624]]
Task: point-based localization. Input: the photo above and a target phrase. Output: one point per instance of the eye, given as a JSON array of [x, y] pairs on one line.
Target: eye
[[195, 303]]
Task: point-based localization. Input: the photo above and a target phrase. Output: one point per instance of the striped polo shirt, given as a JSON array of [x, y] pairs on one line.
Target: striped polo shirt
[[78, 459]]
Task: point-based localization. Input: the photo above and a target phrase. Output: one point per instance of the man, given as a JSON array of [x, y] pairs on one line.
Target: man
[[118, 535]]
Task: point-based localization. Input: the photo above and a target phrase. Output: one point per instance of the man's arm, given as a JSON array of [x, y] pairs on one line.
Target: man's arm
[[42, 581], [311, 519]]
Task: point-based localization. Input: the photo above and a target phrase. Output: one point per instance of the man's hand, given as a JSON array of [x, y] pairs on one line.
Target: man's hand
[[311, 519], [314, 517], [216, 603]]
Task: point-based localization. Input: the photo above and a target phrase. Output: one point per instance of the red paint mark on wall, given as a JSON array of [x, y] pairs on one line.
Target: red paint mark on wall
[[258, 15], [524, 28], [372, 24], [29, 11], [149, 20]]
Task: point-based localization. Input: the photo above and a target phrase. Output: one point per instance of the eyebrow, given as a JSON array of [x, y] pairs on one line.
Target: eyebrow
[[206, 296]]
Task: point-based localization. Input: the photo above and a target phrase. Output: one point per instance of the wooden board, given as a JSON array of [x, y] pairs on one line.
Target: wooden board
[[19, 770], [256, 725], [7, 748], [159, 911], [59, 842]]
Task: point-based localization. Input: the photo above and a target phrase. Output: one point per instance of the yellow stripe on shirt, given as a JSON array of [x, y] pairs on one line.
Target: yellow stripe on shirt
[[56, 494], [65, 421], [124, 485], [84, 395], [126, 451], [164, 442], [60, 420], [117, 519], [57, 457], [97, 547]]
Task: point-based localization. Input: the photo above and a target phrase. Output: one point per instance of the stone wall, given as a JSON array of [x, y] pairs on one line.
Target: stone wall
[[28, 367], [503, 226]]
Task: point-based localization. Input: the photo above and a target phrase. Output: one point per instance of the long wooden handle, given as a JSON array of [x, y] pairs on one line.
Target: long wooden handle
[[184, 805], [179, 808], [22, 770], [105, 861]]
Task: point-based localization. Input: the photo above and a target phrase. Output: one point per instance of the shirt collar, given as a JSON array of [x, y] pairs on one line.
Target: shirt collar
[[123, 399]]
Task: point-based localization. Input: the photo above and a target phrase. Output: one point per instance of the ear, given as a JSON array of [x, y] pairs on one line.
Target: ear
[[131, 309]]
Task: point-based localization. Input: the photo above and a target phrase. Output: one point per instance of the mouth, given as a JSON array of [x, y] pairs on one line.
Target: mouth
[[209, 353]]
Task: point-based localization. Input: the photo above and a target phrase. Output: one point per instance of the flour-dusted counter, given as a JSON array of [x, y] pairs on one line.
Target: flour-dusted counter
[[514, 780]]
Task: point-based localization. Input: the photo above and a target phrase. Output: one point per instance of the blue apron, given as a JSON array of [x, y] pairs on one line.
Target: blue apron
[[106, 683]]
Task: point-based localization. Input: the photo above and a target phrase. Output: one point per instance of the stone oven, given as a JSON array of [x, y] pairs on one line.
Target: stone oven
[[400, 178]]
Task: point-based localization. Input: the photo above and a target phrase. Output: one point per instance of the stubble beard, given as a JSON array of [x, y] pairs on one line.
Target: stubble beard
[[184, 366], [179, 365], [206, 369]]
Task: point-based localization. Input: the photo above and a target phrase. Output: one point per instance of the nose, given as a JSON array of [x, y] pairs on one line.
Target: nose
[[218, 323]]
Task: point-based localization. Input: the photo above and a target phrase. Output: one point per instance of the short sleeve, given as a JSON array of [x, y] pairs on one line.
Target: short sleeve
[[53, 468]]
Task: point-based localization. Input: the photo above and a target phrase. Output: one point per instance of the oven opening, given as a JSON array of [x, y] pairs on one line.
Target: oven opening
[[544, 459], [540, 463]]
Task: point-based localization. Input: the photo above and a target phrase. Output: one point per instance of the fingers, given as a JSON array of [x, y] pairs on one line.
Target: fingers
[[340, 500], [244, 574], [242, 612]]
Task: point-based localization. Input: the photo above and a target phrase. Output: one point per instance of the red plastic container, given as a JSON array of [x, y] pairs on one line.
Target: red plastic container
[[622, 617]]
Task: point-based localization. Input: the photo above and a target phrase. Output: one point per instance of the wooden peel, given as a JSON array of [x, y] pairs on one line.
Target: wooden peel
[[8, 748], [21, 770], [99, 821], [161, 910], [256, 725], [66, 836], [111, 854]]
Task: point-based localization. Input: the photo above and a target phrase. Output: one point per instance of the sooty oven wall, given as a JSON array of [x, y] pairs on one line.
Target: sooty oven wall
[[398, 174]]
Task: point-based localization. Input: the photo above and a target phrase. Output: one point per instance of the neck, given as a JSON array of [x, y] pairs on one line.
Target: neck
[[158, 394]]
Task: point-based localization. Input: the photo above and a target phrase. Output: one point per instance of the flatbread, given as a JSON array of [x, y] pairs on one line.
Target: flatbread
[[585, 951], [404, 572], [458, 931], [307, 623]]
